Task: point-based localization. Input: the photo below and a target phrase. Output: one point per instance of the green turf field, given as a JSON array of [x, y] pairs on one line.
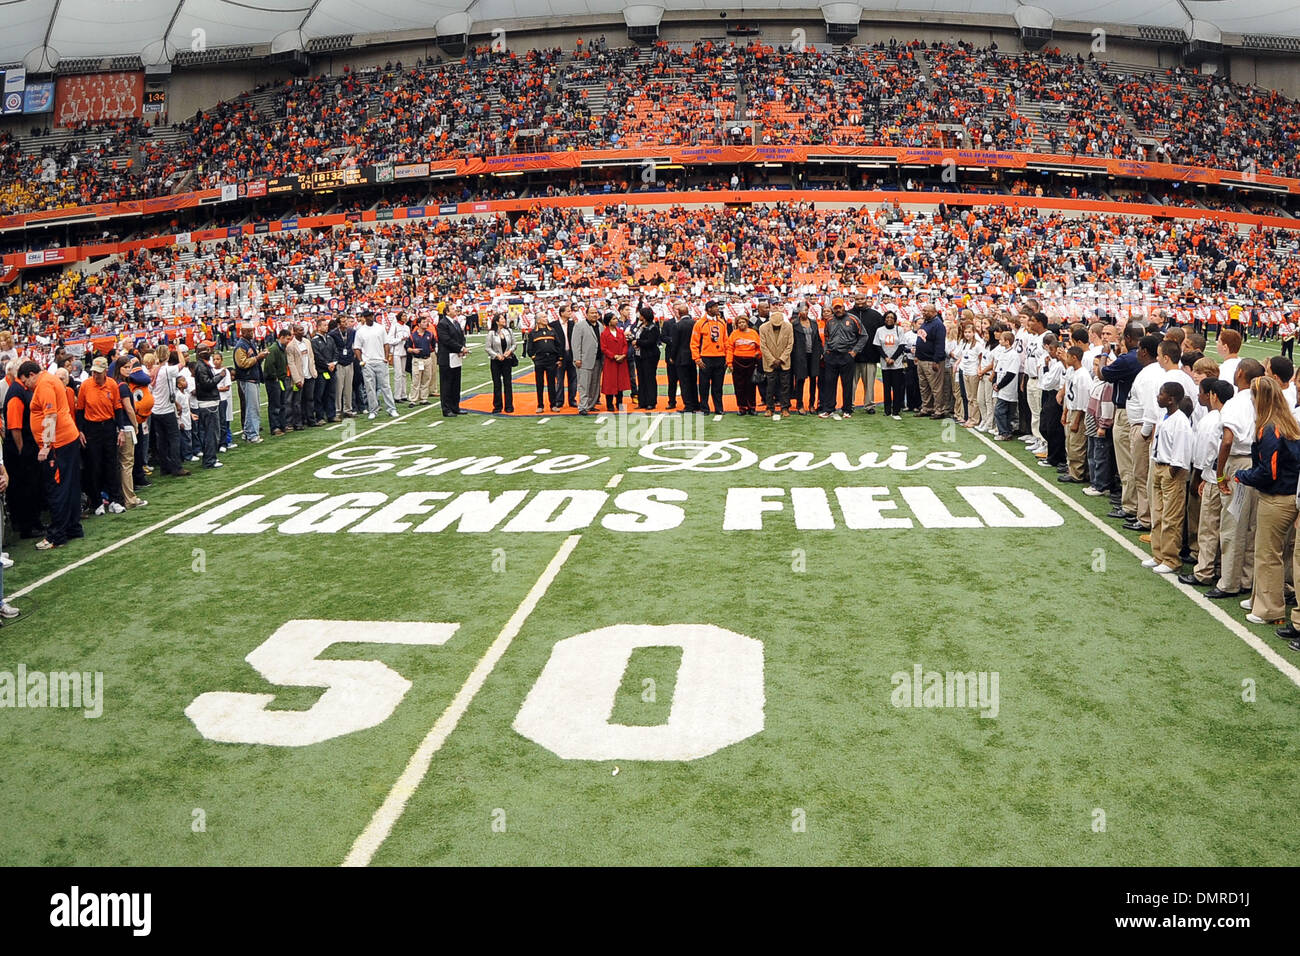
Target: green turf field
[[747, 685]]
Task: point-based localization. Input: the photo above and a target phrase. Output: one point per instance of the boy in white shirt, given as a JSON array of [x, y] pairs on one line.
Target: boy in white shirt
[[1078, 383], [1171, 457], [1212, 395]]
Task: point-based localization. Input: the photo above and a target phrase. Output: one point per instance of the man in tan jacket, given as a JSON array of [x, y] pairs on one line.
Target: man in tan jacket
[[776, 340]]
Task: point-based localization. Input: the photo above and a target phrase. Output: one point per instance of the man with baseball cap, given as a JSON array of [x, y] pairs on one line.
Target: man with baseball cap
[[845, 339], [99, 408]]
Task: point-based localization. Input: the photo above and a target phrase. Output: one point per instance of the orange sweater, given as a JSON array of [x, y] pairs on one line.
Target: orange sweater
[[743, 343]]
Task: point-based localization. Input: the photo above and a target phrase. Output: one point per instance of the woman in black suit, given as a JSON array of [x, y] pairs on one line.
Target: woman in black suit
[[501, 346], [647, 362]]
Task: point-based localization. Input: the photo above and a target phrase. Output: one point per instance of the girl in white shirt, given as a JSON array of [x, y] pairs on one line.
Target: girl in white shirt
[[967, 353]]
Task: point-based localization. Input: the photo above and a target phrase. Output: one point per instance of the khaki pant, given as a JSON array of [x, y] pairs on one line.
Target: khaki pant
[[1207, 557], [1237, 533], [1124, 459], [972, 383], [1140, 449], [1034, 396], [1192, 523], [986, 402], [930, 376], [1167, 532], [1274, 518], [126, 464], [421, 378], [1076, 448], [343, 389]]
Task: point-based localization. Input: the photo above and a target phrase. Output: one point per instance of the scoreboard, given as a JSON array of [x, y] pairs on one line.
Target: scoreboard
[[332, 178]]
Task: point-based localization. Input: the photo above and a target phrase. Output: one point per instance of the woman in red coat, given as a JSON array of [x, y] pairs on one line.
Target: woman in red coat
[[614, 378]]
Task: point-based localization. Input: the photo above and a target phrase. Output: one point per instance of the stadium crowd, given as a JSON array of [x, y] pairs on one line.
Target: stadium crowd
[[989, 251], [496, 102]]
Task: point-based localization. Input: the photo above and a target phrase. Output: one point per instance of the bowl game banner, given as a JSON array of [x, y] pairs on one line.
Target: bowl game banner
[[98, 96]]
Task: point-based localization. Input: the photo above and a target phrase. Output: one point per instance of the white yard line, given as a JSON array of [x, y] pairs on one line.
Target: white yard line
[[382, 823], [1289, 670], [143, 532]]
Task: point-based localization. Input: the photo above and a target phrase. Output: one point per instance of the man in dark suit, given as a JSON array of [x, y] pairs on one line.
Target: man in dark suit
[[666, 328], [451, 341], [566, 375], [679, 354]]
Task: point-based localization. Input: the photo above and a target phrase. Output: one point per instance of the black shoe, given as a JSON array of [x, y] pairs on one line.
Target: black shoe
[[1214, 594], [1116, 513], [1067, 480], [1290, 599], [1134, 526], [1288, 633], [583, 411], [871, 409], [1186, 558], [1192, 580]]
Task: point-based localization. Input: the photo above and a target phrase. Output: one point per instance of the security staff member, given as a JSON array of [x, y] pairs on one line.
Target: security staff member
[[99, 416], [59, 454], [542, 346], [709, 352]]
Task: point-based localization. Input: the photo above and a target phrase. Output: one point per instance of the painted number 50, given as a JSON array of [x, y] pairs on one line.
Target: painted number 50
[[718, 699]]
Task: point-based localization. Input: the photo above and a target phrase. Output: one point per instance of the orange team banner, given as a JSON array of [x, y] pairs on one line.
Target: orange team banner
[[93, 97]]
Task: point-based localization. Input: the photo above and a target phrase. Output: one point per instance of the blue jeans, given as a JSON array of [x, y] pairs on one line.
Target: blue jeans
[[250, 397], [1099, 475], [1002, 416]]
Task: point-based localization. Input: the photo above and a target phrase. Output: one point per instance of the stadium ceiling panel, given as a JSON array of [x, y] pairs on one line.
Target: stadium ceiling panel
[[76, 29]]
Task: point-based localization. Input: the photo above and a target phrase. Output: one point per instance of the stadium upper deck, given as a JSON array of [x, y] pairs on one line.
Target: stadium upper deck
[[494, 104]]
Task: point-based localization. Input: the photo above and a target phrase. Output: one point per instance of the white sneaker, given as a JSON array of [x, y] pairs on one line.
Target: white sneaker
[[100, 509], [897, 418], [6, 562], [1255, 620], [217, 464], [1029, 439], [1163, 569], [232, 445], [1092, 492], [7, 610], [371, 416], [115, 508], [140, 503], [1245, 605], [221, 449], [1149, 563], [393, 413], [838, 417], [776, 417]]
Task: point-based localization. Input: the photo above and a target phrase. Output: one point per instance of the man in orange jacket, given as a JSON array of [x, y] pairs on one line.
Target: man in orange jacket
[[59, 454], [709, 350]]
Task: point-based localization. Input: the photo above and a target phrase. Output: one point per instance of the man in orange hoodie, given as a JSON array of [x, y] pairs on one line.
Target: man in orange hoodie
[[709, 350], [59, 443]]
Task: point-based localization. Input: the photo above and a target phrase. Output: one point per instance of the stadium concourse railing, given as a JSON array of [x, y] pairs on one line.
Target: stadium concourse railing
[[70, 254]]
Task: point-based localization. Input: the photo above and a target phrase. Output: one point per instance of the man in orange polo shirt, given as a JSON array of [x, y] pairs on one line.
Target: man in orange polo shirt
[[59, 453], [99, 414]]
